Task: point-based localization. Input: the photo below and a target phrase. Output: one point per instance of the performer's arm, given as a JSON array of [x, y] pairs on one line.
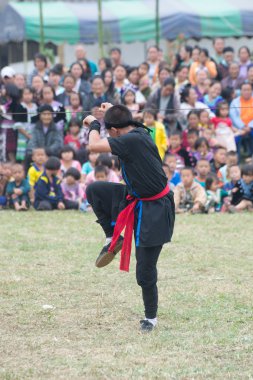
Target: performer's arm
[[97, 145]]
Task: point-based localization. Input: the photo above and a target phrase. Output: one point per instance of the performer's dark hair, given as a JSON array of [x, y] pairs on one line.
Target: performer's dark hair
[[118, 114]]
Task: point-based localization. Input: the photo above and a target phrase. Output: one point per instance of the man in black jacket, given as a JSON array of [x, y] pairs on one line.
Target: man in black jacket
[[45, 135]]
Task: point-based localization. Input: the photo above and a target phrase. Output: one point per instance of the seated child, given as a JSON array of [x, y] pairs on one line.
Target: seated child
[[103, 159], [18, 189], [232, 159], [215, 194], [27, 109], [68, 161], [189, 195], [171, 161], [192, 125], [128, 99], [175, 148], [157, 133], [72, 189], [36, 169], [72, 137], [192, 137], [219, 159], [208, 134], [203, 168], [75, 109], [233, 176], [100, 173], [224, 131], [89, 166], [169, 176], [203, 150], [48, 192], [204, 120], [242, 193]]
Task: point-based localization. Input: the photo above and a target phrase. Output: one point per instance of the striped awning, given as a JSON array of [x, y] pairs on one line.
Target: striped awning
[[126, 20]]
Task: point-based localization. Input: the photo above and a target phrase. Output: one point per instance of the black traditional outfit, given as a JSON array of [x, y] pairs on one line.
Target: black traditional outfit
[[152, 208]]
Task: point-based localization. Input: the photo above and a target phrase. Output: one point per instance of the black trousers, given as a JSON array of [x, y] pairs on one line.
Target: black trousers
[[48, 206], [146, 276], [105, 199]]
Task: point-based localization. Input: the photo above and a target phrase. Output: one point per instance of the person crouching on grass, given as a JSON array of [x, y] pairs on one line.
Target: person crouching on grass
[[189, 195], [18, 189], [144, 205], [242, 192], [48, 192]]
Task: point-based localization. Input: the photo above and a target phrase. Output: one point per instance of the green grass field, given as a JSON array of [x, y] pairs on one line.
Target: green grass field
[[92, 332]]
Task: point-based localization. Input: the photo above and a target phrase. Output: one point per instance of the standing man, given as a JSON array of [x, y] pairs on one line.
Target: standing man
[[116, 56], [81, 53], [153, 61], [218, 45]]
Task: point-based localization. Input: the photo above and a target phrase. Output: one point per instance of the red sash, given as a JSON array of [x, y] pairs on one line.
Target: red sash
[[126, 220]]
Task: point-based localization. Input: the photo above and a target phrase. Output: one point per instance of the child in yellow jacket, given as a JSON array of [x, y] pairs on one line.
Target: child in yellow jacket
[[158, 132]]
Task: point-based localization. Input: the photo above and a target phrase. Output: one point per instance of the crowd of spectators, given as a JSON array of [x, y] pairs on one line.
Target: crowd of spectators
[[199, 109]]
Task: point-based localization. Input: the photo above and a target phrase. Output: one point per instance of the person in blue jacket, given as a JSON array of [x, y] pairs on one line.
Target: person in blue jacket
[[48, 193], [18, 189]]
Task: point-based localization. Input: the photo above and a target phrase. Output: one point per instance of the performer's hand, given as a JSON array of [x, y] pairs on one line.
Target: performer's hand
[[105, 106], [88, 120]]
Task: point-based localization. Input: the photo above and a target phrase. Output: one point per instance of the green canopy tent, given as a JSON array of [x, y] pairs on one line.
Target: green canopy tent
[[126, 20]]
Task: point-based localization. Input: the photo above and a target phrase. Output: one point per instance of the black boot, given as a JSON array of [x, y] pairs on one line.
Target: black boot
[[106, 257], [146, 326]]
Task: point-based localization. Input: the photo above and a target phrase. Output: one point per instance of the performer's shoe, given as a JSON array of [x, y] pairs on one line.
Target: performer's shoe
[[106, 257], [146, 326]]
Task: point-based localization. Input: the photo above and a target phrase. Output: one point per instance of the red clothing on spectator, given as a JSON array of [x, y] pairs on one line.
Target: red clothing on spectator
[[70, 140], [216, 120]]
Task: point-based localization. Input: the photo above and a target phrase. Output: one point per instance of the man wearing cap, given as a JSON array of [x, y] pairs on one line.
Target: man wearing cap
[[8, 74], [144, 205]]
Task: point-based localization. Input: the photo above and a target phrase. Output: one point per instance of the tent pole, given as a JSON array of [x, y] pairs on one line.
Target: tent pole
[[42, 40], [25, 57], [100, 29], [157, 26]]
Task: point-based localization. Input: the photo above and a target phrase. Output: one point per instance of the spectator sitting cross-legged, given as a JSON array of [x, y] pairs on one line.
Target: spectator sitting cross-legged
[[68, 160], [48, 192], [18, 189], [72, 189], [72, 137], [104, 160], [36, 169], [189, 195], [242, 193]]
